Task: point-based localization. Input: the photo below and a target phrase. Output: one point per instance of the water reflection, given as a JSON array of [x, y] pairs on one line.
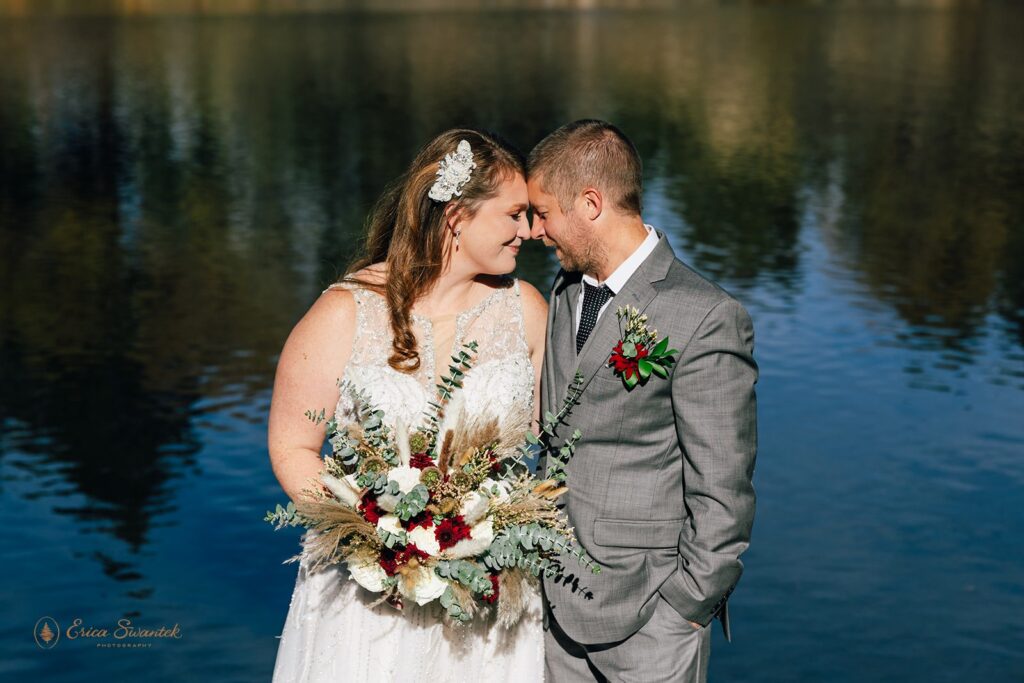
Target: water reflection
[[174, 193]]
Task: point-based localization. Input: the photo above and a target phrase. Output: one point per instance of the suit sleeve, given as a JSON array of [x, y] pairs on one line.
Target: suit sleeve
[[716, 422]]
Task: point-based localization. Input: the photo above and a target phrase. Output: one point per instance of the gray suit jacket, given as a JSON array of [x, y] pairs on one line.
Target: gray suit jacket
[[660, 491]]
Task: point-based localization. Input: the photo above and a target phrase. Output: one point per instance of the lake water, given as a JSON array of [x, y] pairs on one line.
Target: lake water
[[174, 194]]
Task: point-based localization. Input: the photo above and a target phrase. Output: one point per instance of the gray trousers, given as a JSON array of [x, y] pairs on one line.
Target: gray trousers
[[667, 649]]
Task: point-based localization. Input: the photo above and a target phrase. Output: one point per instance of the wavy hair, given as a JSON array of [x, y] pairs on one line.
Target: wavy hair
[[406, 229]]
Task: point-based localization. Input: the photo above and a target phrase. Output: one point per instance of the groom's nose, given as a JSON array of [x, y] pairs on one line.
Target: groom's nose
[[537, 228]]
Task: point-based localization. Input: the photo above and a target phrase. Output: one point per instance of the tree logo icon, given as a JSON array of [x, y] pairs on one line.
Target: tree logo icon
[[46, 632]]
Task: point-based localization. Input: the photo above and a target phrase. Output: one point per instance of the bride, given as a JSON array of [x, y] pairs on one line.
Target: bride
[[441, 243]]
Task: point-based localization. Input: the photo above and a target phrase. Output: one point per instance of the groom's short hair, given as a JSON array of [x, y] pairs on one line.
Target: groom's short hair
[[589, 153]]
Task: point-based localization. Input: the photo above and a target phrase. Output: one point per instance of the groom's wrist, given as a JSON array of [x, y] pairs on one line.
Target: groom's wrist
[[696, 611]]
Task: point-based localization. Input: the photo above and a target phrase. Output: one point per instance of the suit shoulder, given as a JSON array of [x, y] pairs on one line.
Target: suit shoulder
[[698, 289], [563, 278]]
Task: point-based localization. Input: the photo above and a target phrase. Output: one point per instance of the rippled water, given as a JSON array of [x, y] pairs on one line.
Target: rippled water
[[175, 193]]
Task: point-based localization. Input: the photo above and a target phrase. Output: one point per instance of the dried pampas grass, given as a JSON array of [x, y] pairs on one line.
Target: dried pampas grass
[[513, 595], [336, 527], [479, 429]]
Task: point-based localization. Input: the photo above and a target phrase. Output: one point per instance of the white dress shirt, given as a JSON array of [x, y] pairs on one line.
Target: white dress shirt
[[617, 280]]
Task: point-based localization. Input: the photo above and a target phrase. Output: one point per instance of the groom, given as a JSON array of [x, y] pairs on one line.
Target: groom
[[660, 490]]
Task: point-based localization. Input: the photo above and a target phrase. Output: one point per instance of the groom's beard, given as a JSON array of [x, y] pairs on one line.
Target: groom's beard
[[581, 251]]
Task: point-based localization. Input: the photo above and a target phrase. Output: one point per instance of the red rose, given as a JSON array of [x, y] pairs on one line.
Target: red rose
[[495, 463], [451, 531], [424, 519], [391, 559], [371, 511], [493, 597], [410, 551], [421, 461], [388, 561]]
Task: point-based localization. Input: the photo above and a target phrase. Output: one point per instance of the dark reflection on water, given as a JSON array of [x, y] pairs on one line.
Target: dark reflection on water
[[174, 193]]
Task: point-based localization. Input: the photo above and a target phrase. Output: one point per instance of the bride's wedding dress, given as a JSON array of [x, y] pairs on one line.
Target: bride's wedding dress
[[331, 632]]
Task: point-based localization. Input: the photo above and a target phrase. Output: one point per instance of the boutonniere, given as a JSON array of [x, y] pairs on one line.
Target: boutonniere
[[639, 353]]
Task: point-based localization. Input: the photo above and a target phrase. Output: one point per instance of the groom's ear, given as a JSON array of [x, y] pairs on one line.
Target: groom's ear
[[593, 203]]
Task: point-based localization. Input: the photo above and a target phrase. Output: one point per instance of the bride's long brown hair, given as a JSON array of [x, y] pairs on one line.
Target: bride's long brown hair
[[406, 229]]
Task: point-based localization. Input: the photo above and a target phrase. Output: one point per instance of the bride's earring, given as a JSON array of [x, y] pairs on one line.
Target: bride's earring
[[457, 233]]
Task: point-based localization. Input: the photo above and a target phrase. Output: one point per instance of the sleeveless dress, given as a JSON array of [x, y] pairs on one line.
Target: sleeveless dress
[[331, 632]]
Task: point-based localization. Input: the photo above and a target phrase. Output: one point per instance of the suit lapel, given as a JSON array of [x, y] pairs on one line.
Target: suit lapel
[[638, 292], [562, 338], [595, 353], [571, 298]]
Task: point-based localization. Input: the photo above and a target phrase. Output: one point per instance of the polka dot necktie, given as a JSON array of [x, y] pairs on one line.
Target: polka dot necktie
[[593, 299]]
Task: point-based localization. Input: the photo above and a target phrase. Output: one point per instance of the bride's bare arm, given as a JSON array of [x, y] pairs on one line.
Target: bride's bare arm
[[535, 315], [313, 358]]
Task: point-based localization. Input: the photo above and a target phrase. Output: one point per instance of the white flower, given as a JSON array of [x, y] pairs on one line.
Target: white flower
[[453, 172], [368, 573], [421, 585], [406, 478], [474, 505], [390, 524], [425, 540], [345, 489], [481, 537]]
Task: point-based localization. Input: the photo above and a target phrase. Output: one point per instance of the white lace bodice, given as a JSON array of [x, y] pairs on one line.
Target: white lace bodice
[[500, 381]]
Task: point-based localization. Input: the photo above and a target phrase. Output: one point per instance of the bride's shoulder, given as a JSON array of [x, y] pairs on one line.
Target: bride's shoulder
[[532, 298], [340, 299], [325, 331], [371, 277], [374, 274]]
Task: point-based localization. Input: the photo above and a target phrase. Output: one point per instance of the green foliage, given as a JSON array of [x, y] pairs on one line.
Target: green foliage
[[390, 540], [284, 516], [528, 546], [558, 459], [377, 481], [413, 503], [461, 363], [469, 574], [503, 554], [451, 605]]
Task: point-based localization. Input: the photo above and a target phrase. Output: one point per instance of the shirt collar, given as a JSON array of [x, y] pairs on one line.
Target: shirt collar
[[617, 280]]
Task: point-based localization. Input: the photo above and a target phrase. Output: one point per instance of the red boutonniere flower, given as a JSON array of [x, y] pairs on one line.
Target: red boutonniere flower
[[639, 353]]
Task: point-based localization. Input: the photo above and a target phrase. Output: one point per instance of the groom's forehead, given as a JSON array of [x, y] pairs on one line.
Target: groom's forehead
[[537, 193]]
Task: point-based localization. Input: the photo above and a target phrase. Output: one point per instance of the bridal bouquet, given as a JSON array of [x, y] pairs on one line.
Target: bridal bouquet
[[447, 511]]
